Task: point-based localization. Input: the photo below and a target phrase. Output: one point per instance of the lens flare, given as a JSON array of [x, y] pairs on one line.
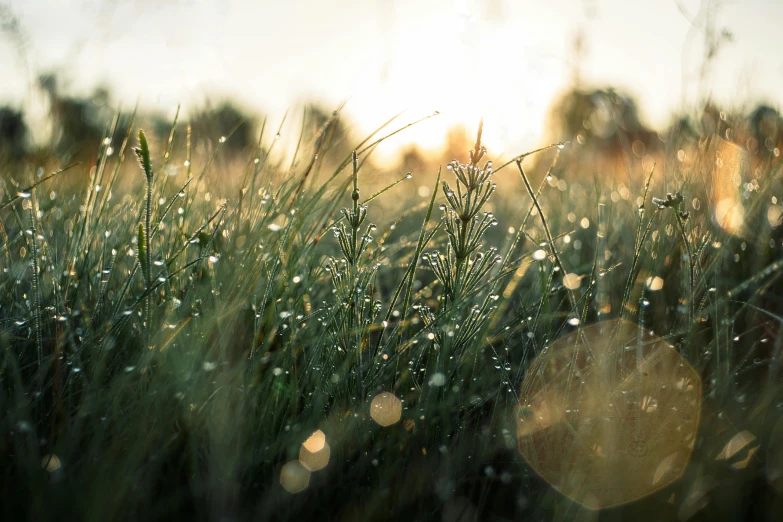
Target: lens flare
[[386, 409], [730, 168], [294, 477], [315, 452], [609, 414]]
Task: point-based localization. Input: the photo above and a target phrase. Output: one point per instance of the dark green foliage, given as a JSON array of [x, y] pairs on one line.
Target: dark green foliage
[[13, 134], [174, 350]]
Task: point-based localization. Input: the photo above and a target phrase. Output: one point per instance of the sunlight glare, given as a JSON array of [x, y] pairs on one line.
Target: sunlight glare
[[466, 70]]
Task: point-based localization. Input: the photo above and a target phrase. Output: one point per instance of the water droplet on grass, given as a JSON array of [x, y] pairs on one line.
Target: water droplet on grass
[[437, 380]]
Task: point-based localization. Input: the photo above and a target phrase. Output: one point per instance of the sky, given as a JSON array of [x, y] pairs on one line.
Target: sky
[[504, 60]]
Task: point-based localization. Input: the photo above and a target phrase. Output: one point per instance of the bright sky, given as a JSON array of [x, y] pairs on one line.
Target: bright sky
[[501, 59]]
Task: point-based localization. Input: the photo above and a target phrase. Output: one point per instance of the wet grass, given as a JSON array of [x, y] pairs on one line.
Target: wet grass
[[167, 351]]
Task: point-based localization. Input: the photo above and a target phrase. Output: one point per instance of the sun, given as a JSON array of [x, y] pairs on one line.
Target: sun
[[464, 71]]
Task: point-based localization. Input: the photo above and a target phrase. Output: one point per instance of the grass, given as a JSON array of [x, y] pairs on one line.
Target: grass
[[166, 352]]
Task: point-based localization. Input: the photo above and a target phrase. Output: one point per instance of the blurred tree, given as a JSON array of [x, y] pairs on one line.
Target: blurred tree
[[413, 160], [13, 134], [328, 124], [606, 127], [766, 127], [210, 123], [710, 120], [78, 123], [598, 115], [682, 133]]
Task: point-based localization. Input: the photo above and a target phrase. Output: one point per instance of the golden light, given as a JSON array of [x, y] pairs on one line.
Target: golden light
[[461, 70], [315, 442], [654, 283], [572, 281], [742, 464], [385, 409], [51, 463], [609, 414], [735, 445], [294, 477], [730, 215], [315, 452], [775, 215], [730, 166]]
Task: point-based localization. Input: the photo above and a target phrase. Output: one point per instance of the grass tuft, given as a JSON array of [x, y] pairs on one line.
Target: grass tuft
[[278, 306]]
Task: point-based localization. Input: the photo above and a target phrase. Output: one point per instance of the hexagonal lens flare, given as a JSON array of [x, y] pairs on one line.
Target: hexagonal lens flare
[[609, 414]]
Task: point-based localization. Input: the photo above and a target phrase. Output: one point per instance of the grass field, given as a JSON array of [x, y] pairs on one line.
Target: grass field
[[206, 346]]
